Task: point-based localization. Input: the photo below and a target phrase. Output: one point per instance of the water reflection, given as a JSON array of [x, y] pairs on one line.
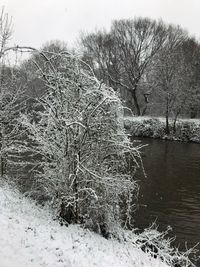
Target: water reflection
[[171, 192]]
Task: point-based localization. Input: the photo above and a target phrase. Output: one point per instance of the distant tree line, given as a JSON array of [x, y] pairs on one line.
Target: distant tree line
[[154, 66]]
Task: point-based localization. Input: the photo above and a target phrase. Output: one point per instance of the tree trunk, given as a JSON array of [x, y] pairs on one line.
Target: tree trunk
[[2, 166], [175, 120], [137, 107], [76, 208], [1, 156], [167, 131]]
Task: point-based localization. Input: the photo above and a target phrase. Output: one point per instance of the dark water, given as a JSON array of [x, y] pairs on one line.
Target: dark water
[[171, 193]]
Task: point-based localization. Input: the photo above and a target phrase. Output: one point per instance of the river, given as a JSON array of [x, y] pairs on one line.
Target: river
[[171, 192]]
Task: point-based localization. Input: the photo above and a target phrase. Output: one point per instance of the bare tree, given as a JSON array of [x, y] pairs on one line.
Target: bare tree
[[191, 51], [171, 75], [124, 54], [5, 34], [5, 30]]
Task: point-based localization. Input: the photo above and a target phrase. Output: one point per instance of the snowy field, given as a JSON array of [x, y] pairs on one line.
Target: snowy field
[[29, 237]]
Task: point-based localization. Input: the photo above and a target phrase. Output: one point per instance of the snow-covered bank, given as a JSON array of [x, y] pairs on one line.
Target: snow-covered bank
[[187, 130], [29, 237]]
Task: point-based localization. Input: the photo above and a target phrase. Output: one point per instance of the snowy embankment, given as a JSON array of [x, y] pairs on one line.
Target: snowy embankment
[[187, 130], [29, 237]]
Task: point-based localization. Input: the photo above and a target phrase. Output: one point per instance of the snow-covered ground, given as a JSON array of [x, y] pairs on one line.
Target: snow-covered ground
[[161, 119], [187, 130], [29, 237]]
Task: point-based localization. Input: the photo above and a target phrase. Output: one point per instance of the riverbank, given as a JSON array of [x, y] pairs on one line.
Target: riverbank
[[187, 130], [30, 237]]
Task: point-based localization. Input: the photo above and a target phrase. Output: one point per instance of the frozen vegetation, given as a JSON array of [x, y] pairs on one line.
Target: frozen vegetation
[[30, 237], [65, 146], [187, 130], [82, 164]]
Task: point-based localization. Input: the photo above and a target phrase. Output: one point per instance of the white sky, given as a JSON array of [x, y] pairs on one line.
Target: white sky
[[38, 21]]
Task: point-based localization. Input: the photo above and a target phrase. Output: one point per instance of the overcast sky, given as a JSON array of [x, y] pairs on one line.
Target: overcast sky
[[38, 21]]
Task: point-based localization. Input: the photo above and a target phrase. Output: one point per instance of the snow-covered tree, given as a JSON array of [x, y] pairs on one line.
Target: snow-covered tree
[[12, 102], [10, 92], [80, 155]]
